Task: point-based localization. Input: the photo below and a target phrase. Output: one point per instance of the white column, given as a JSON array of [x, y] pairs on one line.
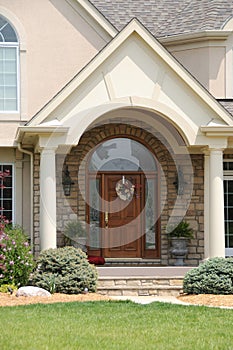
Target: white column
[[48, 232], [216, 224]]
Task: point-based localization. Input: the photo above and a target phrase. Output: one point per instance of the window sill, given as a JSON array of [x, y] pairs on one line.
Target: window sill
[[11, 116]]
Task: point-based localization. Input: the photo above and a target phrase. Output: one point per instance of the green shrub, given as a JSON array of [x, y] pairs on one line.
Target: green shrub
[[16, 259], [6, 288], [74, 229], [183, 229], [215, 276], [65, 270]]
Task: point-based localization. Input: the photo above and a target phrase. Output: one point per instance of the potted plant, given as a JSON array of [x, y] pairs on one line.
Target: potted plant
[[179, 236], [75, 234]]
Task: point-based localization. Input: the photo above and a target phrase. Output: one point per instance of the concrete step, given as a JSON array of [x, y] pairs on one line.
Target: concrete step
[[141, 281], [136, 286], [140, 271]]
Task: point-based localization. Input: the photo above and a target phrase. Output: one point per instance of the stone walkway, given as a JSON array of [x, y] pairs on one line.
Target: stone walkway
[[163, 299], [148, 299]]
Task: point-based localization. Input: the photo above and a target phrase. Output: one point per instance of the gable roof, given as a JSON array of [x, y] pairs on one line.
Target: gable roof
[[133, 27], [168, 17]]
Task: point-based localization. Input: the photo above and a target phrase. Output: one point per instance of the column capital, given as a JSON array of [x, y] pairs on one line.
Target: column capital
[[216, 149], [48, 150], [50, 141], [212, 149]]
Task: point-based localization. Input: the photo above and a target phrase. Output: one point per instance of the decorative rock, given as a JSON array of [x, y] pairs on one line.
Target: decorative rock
[[30, 291]]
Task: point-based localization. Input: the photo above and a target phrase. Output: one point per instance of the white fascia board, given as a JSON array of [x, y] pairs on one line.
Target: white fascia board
[[39, 130], [206, 35], [97, 16], [217, 130], [134, 27]]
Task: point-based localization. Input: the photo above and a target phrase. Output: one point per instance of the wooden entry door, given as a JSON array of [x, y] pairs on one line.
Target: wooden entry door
[[121, 220]]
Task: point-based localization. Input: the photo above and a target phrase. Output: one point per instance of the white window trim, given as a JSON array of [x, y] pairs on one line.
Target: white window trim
[[16, 45], [13, 188], [228, 175]]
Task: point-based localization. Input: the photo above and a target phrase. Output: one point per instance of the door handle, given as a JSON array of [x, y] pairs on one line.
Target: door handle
[[106, 219]]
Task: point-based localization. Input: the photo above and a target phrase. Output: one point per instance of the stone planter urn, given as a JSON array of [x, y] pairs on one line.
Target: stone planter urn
[[179, 250], [75, 234], [179, 236], [80, 242]]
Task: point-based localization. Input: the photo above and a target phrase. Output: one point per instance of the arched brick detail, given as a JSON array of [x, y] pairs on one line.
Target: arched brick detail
[[69, 208], [76, 161]]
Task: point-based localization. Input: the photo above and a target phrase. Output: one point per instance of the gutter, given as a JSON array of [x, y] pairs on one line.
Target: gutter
[[31, 192], [205, 35]]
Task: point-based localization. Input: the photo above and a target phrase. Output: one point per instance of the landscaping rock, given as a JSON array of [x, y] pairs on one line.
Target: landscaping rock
[[30, 291]]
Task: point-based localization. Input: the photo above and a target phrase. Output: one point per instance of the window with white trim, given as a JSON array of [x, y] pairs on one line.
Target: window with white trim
[[228, 206], [6, 193], [9, 52]]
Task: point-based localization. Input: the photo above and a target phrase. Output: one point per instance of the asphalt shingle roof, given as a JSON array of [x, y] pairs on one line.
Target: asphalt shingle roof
[[168, 17], [228, 105]]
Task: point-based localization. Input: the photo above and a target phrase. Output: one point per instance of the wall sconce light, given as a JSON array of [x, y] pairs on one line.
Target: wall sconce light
[[66, 182], [179, 183]]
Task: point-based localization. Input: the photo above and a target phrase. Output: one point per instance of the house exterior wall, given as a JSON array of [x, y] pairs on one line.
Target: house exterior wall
[[57, 43], [206, 64]]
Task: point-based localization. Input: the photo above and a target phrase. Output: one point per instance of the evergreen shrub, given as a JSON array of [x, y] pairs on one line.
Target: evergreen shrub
[[214, 276], [64, 270]]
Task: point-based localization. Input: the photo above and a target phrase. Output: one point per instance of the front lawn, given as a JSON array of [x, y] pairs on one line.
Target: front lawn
[[115, 325]]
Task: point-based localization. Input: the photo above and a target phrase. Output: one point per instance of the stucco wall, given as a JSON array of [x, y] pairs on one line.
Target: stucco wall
[[207, 65], [55, 43]]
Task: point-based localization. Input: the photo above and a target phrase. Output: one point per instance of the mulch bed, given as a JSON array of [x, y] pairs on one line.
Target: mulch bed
[[208, 299], [12, 300], [200, 299]]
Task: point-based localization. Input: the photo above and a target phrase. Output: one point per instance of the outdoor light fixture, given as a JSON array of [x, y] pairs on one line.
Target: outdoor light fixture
[[66, 182], [179, 183]]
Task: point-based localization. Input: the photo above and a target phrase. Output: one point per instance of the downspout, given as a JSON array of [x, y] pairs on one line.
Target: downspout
[[31, 193]]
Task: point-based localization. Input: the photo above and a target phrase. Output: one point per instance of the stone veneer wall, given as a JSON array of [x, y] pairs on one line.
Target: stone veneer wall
[[71, 207], [36, 204]]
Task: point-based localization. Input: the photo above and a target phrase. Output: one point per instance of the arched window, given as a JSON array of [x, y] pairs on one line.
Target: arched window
[[122, 154], [9, 52]]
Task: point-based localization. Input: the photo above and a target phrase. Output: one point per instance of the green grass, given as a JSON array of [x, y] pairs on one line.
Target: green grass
[[115, 325]]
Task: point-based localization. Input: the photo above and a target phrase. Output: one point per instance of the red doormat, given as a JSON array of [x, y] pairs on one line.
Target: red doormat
[[96, 260]]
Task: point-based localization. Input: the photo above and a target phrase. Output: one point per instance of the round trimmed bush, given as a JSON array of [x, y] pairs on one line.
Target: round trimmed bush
[[214, 276], [64, 270]]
